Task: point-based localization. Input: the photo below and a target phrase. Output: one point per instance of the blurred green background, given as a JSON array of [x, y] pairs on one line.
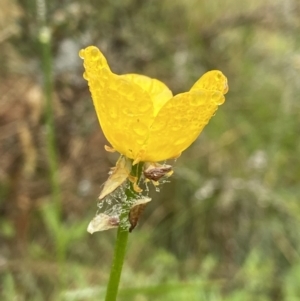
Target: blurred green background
[[227, 226]]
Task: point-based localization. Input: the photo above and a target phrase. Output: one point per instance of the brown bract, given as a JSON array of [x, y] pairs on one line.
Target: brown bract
[[136, 210], [102, 222], [156, 171], [118, 176]]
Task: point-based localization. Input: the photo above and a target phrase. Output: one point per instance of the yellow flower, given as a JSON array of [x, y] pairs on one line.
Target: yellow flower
[[139, 115]]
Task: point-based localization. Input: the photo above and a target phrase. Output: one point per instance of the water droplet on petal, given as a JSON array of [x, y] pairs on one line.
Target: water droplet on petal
[[218, 76], [95, 54], [141, 130], [82, 53], [218, 98], [198, 99], [140, 141], [225, 87], [85, 76]]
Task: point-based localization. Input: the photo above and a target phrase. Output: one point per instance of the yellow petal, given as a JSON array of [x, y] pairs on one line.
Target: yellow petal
[[158, 91], [213, 81], [182, 118], [124, 109], [96, 59]]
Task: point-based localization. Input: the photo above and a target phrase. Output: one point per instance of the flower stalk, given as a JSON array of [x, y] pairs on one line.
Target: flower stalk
[[121, 240]]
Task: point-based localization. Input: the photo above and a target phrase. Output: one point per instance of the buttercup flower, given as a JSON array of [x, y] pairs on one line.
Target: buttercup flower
[[139, 115]]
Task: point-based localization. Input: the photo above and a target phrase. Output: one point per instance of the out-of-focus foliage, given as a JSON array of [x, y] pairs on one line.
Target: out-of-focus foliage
[[226, 227]]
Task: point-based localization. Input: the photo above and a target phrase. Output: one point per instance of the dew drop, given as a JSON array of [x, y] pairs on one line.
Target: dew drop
[[85, 76], [218, 76], [141, 130], [82, 53], [105, 74], [140, 141], [218, 98], [197, 99], [225, 87], [95, 54]]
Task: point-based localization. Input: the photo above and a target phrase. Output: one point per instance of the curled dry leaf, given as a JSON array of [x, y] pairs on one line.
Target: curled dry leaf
[[136, 210], [103, 222], [117, 177]]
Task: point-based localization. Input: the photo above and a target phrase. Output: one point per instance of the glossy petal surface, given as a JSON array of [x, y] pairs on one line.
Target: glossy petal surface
[[124, 109], [157, 90], [138, 114], [182, 118]]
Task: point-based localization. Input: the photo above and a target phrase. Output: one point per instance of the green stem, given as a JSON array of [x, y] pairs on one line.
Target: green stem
[[121, 243], [117, 265], [44, 39], [46, 59]]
